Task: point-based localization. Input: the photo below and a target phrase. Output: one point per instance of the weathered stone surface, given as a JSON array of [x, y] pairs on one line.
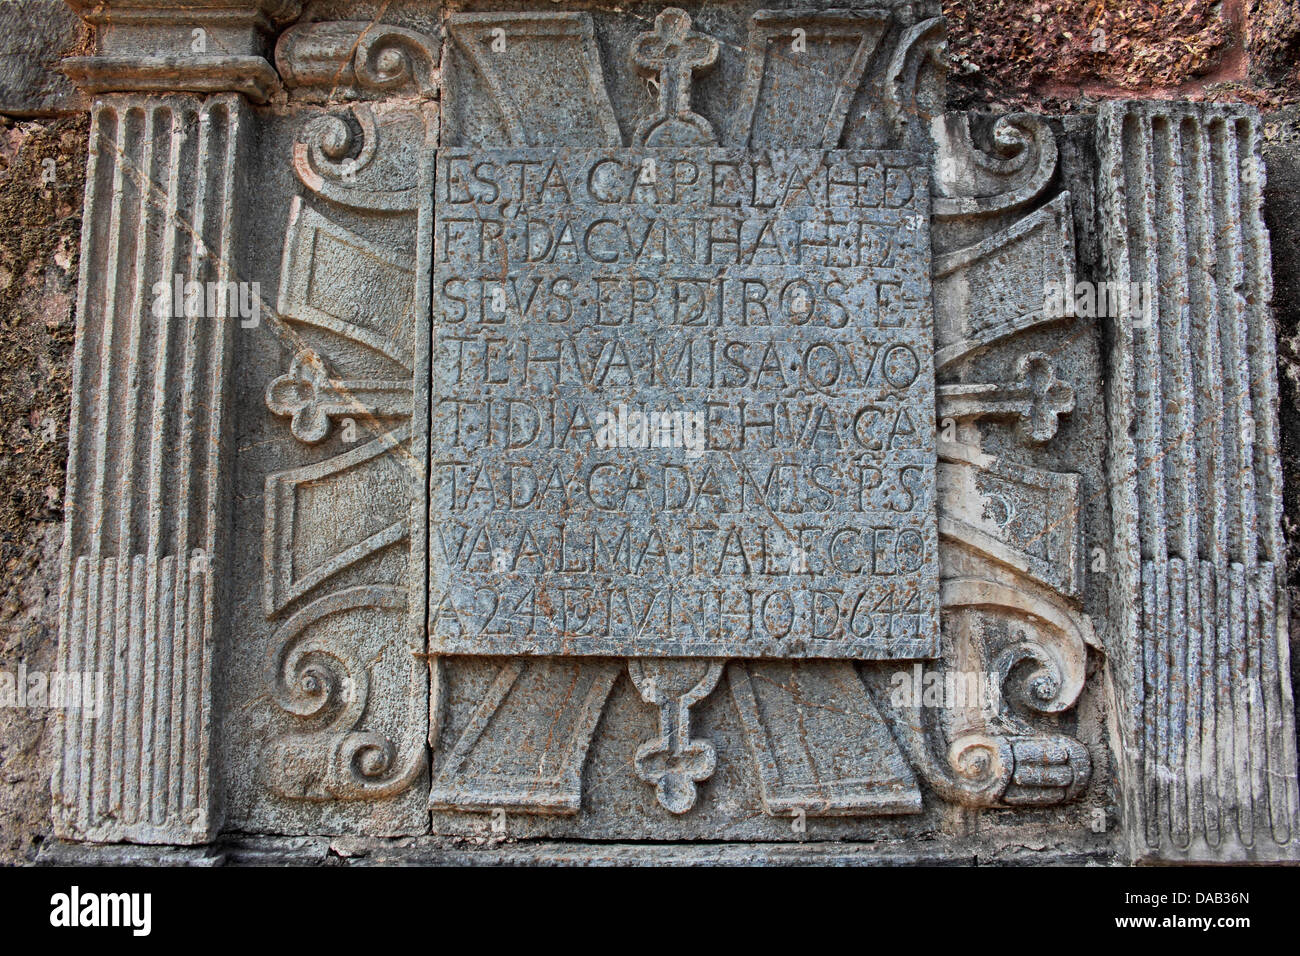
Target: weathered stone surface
[[426, 576], [498, 851], [34, 36], [680, 405], [39, 277], [1207, 706], [148, 471]]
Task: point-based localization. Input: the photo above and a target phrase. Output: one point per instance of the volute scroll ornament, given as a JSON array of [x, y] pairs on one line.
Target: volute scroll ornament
[[975, 182], [333, 158], [357, 59], [317, 674], [1011, 652]]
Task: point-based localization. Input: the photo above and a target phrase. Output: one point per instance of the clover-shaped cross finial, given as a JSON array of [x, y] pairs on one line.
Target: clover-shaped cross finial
[[310, 398], [300, 396], [673, 53], [1037, 399], [1048, 397]]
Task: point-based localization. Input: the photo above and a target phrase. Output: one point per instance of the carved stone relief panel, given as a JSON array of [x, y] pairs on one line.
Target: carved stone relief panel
[[335, 676], [670, 425]]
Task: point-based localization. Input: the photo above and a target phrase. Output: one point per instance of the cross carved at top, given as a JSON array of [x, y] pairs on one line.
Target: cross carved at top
[[676, 53]]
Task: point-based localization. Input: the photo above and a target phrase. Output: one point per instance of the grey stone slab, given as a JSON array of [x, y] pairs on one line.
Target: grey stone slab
[[434, 852], [680, 405], [64, 853], [34, 35]]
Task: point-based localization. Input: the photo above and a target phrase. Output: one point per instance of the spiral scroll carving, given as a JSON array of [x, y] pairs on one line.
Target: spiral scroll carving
[[312, 678], [389, 58], [350, 58], [971, 181]]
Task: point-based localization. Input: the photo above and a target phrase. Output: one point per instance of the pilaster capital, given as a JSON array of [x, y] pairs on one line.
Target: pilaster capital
[[198, 46]]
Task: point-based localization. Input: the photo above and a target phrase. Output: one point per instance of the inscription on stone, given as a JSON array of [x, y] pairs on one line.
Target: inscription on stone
[[682, 404]]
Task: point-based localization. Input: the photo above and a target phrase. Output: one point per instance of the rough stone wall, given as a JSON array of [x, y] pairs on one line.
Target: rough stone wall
[[1062, 55], [41, 212], [1052, 56]]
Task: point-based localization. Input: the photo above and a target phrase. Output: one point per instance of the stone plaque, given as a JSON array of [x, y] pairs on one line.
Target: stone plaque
[[681, 404], [665, 428]]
